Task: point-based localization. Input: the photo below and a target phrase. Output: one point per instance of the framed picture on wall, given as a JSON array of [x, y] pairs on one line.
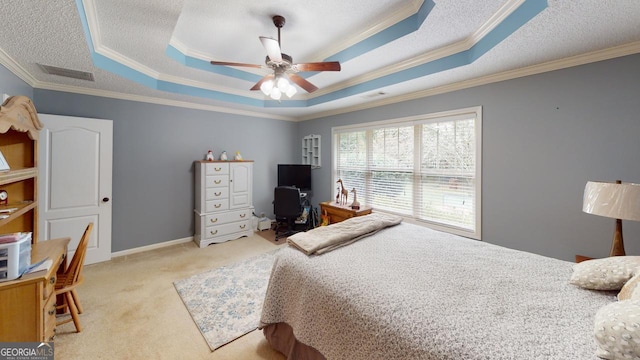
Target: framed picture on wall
[[4, 165]]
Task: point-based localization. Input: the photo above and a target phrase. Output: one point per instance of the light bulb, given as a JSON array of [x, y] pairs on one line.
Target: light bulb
[[283, 84], [291, 91], [276, 93], [266, 87]]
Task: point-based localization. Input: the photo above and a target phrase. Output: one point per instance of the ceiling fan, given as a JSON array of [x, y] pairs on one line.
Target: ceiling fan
[[284, 70]]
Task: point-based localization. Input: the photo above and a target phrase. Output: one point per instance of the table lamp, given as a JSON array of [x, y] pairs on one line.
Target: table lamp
[[615, 200]]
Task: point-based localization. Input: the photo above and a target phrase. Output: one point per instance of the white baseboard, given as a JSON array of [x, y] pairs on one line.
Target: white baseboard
[[151, 247]]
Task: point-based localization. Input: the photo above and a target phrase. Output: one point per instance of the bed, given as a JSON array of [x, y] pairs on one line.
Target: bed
[[408, 292]]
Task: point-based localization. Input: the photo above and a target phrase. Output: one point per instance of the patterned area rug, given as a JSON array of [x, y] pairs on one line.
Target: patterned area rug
[[226, 302]]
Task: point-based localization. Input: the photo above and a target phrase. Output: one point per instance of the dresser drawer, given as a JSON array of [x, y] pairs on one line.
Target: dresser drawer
[[227, 217], [216, 193], [49, 286], [216, 205], [216, 168], [225, 229], [214, 181], [49, 318]]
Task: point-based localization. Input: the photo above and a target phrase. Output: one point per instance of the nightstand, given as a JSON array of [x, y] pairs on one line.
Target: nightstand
[[338, 213]]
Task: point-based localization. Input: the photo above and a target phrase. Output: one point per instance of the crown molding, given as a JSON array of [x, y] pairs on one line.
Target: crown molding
[[91, 14], [391, 19], [496, 19], [451, 49], [188, 52], [13, 66], [128, 62], [582, 59], [158, 101], [208, 86]]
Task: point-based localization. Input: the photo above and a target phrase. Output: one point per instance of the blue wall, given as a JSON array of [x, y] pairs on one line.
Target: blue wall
[[13, 85], [154, 147], [544, 137]]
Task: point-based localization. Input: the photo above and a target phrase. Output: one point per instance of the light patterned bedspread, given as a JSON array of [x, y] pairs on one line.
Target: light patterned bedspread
[[409, 292]]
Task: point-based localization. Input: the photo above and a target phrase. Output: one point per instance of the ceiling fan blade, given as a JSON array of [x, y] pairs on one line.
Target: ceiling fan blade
[[272, 47], [319, 66], [257, 85], [302, 82], [235, 64]]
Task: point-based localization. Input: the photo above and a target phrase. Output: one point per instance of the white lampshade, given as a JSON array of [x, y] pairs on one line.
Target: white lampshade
[[266, 87], [276, 94], [291, 91], [618, 201], [282, 84]]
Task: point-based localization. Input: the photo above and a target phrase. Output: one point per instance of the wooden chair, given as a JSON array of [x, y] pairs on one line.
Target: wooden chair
[[66, 283]]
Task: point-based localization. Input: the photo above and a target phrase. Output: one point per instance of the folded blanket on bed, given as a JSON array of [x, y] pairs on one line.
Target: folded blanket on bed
[[326, 238]]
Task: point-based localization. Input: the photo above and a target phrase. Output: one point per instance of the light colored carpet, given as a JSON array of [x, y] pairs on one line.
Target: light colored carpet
[[132, 310], [226, 302], [271, 236]]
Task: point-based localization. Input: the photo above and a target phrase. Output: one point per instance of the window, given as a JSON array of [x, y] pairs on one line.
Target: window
[[424, 167]]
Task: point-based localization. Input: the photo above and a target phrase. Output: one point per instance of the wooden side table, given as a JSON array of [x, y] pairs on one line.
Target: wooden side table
[[338, 213]]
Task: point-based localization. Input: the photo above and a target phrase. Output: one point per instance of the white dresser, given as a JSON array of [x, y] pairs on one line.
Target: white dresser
[[224, 201]]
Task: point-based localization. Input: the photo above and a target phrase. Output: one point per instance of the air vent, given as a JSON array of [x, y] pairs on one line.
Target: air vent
[[82, 75]]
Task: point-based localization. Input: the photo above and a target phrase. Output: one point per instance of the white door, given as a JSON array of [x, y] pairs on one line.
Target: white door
[[74, 182]]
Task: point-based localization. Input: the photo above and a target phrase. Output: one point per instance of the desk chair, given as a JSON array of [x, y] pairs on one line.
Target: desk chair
[[66, 283], [287, 206]]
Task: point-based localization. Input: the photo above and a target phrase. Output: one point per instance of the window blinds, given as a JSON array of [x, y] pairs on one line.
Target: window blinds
[[426, 168]]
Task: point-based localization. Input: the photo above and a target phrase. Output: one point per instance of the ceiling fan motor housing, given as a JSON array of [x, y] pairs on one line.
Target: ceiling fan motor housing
[[286, 63]]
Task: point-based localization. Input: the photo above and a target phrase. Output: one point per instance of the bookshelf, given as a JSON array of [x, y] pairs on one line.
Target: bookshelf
[[311, 151], [19, 127]]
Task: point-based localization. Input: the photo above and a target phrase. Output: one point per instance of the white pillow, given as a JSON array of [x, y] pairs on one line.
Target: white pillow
[[631, 290], [605, 274], [617, 330]]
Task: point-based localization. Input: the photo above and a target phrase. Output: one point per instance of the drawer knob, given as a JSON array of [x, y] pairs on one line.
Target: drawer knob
[[52, 280], [217, 194], [243, 215], [214, 220], [243, 226], [217, 205], [218, 169], [213, 232], [52, 337], [217, 181], [52, 311]]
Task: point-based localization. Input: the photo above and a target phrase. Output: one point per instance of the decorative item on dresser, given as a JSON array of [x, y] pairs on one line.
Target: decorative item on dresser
[[224, 197], [355, 205], [344, 194]]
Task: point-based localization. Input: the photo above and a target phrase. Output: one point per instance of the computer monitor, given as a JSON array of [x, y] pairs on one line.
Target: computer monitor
[[297, 175]]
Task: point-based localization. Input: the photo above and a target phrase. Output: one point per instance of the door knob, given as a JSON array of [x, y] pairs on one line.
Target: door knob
[[105, 199]]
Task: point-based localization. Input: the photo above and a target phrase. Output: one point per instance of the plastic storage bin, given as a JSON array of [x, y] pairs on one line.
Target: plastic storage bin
[[15, 257]]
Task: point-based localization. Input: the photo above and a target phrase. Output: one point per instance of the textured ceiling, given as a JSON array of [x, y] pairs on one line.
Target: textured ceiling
[[159, 50]]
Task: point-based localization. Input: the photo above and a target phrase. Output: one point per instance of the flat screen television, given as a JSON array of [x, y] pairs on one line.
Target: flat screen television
[[297, 175]]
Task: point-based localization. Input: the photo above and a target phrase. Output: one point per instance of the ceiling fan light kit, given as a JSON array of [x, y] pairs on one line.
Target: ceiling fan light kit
[[284, 70], [274, 88]]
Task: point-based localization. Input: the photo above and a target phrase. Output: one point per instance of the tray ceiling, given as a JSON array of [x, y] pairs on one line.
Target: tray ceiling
[[159, 50]]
